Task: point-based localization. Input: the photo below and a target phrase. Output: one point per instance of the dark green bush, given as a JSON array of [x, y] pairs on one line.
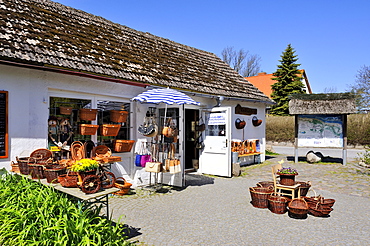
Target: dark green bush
[[35, 214]]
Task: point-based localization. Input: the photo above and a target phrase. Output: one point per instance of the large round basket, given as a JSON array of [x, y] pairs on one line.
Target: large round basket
[[52, 172], [36, 171], [278, 204], [260, 196], [298, 208]]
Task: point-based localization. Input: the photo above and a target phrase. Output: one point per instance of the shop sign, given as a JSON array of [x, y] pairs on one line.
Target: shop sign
[[217, 119]]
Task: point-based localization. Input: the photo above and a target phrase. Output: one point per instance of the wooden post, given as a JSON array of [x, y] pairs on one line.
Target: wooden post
[[344, 156], [295, 138]]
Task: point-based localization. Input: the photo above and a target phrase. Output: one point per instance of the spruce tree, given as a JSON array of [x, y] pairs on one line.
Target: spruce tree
[[288, 82]]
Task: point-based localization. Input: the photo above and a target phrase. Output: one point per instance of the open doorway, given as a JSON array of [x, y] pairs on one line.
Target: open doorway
[[191, 136]]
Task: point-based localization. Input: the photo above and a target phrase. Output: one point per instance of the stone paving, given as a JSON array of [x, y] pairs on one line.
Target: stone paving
[[217, 211]]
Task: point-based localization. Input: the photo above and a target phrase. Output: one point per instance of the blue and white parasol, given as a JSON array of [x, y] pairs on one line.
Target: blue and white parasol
[[167, 96]]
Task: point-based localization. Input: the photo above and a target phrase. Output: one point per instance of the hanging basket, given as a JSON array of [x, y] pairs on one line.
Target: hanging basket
[[65, 110], [87, 129], [260, 196], [118, 116], [123, 145], [278, 204], [109, 130], [87, 114]]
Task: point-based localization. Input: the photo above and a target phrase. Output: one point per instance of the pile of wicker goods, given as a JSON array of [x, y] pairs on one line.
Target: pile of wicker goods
[[298, 208], [23, 165], [260, 196], [123, 185], [37, 162], [277, 204], [320, 207]]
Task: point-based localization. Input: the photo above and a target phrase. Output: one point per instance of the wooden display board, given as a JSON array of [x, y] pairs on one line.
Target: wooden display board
[[3, 124]]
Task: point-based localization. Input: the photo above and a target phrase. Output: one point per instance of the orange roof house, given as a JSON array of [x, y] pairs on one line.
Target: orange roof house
[[264, 81]]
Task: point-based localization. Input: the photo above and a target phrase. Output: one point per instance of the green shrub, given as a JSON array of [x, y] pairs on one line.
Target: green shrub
[[35, 214]]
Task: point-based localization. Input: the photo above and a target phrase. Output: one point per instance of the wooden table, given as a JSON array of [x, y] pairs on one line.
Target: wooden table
[[100, 197]]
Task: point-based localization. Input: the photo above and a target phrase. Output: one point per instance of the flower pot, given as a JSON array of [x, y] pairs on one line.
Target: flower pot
[[287, 179]]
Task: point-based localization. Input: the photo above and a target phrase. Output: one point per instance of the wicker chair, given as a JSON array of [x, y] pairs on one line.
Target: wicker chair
[[290, 190]]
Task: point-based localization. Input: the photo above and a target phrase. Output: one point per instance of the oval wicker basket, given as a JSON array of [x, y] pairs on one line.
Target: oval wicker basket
[[119, 116], [123, 185], [298, 208], [87, 114]]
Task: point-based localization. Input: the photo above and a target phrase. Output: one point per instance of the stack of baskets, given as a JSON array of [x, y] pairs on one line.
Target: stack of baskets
[[37, 162], [52, 172]]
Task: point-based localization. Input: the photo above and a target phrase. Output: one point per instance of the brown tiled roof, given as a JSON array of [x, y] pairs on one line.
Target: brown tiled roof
[[41, 32]]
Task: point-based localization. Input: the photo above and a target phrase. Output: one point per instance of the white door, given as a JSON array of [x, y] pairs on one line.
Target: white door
[[216, 156]]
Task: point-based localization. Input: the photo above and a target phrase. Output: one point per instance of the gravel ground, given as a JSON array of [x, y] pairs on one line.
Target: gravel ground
[[217, 211]]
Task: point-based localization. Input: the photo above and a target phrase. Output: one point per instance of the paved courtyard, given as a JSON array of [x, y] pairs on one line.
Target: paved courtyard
[[217, 211]]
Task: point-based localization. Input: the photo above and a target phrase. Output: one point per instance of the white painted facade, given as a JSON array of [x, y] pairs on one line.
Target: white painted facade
[[29, 91]]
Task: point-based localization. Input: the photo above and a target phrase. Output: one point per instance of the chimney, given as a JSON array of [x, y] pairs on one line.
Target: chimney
[[262, 73]]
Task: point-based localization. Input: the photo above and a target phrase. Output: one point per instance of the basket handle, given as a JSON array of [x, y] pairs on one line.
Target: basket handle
[[121, 178]]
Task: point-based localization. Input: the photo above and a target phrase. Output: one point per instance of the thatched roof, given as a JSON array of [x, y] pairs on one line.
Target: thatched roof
[[48, 34], [331, 103]]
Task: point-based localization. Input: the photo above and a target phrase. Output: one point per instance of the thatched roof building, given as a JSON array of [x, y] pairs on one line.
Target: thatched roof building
[[332, 103]]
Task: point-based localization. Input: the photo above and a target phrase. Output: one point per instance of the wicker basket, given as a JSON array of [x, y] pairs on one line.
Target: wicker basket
[[65, 110], [298, 208], [109, 130], [15, 167], [304, 187], [278, 204], [37, 171], [123, 185], [118, 116], [260, 196], [87, 114], [68, 180], [87, 129], [265, 184], [52, 172], [23, 165], [123, 145]]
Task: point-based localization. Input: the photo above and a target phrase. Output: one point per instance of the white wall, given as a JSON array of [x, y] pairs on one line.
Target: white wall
[[29, 92]]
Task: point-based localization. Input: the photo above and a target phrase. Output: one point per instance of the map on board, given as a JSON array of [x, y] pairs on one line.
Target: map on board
[[320, 131]]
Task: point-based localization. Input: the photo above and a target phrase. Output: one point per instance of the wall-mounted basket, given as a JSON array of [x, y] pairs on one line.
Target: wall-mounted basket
[[123, 145], [87, 129], [65, 110], [87, 114], [109, 130], [118, 116]]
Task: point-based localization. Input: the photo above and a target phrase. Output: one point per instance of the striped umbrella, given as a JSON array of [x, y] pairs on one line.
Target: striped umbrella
[[167, 96]]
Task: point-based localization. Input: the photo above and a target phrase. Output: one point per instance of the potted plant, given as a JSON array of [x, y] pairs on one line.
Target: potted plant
[[84, 167], [287, 175]]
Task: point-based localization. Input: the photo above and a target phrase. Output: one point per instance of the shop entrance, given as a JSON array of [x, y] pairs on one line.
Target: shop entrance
[[191, 153]]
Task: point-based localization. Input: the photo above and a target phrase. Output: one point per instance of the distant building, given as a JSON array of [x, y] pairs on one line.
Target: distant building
[[264, 81]]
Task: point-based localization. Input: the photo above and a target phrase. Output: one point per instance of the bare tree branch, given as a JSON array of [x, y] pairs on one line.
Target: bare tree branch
[[241, 61]]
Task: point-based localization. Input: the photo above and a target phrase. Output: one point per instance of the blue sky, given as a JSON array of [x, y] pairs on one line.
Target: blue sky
[[331, 37]]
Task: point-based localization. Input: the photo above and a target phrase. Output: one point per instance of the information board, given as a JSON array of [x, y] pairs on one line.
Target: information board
[[320, 131], [3, 124]]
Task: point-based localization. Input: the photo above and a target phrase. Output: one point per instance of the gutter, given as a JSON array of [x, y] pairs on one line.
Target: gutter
[[72, 72]]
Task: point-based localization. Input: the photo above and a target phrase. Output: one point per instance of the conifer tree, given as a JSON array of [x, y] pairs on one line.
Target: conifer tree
[[287, 82]]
